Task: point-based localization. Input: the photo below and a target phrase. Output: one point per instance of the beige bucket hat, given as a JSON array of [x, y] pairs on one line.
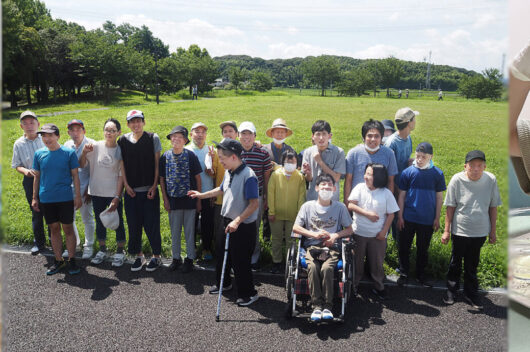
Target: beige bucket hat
[[279, 123]]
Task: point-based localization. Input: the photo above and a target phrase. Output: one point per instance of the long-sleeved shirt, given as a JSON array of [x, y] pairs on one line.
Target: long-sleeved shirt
[[286, 195]]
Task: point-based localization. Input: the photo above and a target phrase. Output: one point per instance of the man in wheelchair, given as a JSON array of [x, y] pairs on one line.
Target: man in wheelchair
[[321, 222]]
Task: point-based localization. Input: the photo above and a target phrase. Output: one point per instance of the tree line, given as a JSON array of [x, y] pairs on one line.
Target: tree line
[[44, 58]]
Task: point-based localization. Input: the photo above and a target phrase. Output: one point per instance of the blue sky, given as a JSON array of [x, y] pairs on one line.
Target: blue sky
[[471, 34]]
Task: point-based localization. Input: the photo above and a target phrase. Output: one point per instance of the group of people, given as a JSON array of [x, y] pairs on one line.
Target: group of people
[[235, 185]]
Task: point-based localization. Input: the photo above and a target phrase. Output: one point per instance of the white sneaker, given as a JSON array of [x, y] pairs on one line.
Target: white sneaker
[[118, 259], [316, 315], [87, 252], [99, 258], [327, 315], [65, 253]]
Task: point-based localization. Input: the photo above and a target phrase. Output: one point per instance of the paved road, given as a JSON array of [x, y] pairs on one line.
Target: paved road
[[112, 309]]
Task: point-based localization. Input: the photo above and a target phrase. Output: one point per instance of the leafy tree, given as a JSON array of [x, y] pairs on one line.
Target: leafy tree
[[390, 71], [487, 85], [321, 71], [237, 75], [355, 82], [261, 81], [172, 73]]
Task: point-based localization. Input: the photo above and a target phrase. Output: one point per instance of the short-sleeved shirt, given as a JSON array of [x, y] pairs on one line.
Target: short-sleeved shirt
[[520, 66], [239, 187], [276, 154], [421, 187], [191, 168], [158, 148], [23, 151], [379, 200], [55, 169], [358, 157], [333, 157], [314, 217], [104, 164], [202, 153], [83, 172], [259, 161], [472, 200], [402, 150]]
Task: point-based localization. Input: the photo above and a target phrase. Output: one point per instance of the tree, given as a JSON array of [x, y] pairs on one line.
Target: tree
[[201, 69], [487, 85], [390, 70], [321, 71], [237, 75], [355, 82], [261, 81]]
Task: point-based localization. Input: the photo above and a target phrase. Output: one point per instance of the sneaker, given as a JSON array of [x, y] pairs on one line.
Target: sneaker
[[35, 250], [449, 297], [255, 267], [327, 315], [175, 264], [381, 294], [276, 268], [425, 282], [316, 316], [187, 266], [207, 256], [240, 300], [118, 259], [402, 280], [215, 290], [99, 258], [72, 267], [87, 252], [56, 267], [248, 301], [65, 253], [154, 264], [138, 263], [475, 302]]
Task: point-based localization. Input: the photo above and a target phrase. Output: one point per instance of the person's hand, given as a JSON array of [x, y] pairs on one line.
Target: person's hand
[[130, 191], [306, 168], [258, 144], [29, 173], [232, 226], [86, 197], [89, 147], [272, 218], [114, 204], [166, 204], [372, 216], [436, 224], [193, 194], [35, 205], [445, 237], [152, 192], [401, 223], [492, 237], [318, 158], [78, 202], [331, 240], [322, 235], [211, 151], [381, 236]]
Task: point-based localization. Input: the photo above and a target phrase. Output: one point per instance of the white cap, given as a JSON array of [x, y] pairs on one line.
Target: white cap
[[134, 113], [247, 126], [199, 124]]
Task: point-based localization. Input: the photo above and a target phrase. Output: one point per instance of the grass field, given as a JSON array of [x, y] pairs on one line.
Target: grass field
[[452, 126]]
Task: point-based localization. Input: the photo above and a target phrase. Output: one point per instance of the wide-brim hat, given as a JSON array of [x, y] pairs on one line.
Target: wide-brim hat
[[179, 129], [279, 123]]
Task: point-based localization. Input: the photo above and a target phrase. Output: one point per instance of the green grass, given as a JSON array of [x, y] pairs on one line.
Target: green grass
[[452, 126]]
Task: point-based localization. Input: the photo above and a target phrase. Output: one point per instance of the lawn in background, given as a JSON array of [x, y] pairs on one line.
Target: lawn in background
[[452, 126]]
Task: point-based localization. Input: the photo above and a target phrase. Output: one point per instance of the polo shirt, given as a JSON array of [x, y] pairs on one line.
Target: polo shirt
[[23, 151], [238, 188]]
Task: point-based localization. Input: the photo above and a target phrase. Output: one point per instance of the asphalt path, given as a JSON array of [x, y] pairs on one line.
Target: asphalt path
[[109, 309]]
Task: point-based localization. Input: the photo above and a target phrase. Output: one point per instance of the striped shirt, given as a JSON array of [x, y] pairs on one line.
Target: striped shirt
[[259, 161], [23, 151]]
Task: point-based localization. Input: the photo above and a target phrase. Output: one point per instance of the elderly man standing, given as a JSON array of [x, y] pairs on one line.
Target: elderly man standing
[[259, 161], [203, 152], [76, 131]]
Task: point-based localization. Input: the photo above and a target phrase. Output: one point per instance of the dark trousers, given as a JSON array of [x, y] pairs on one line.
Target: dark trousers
[[240, 247], [37, 217], [143, 213], [423, 240], [467, 248], [100, 204], [207, 222]]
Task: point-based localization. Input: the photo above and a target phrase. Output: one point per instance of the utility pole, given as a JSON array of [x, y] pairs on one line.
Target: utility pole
[[502, 66]]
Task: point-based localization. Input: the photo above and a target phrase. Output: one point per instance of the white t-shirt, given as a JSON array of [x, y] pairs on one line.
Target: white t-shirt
[[380, 200], [105, 170]]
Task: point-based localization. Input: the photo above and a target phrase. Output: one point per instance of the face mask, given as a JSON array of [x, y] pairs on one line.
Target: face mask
[[383, 141], [426, 166], [372, 149], [325, 194], [278, 141], [289, 167]]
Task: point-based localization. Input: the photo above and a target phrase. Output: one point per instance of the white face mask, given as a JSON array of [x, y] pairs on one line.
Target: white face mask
[[325, 194], [372, 149], [278, 141], [383, 141], [289, 167]]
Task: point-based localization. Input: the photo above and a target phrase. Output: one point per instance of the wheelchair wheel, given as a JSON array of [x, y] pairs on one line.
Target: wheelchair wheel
[[289, 287]]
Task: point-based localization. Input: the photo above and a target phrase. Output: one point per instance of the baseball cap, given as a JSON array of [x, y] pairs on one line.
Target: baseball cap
[[389, 125], [179, 129], [228, 123], [49, 128], [28, 113], [75, 122], [230, 145], [475, 154], [199, 124], [405, 115], [247, 126], [133, 114], [424, 147]]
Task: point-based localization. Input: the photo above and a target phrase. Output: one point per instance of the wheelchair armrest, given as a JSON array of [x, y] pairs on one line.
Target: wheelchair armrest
[[295, 235]]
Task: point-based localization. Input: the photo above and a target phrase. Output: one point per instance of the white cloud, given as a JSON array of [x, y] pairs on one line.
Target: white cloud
[[283, 50], [484, 20], [292, 30], [394, 17]]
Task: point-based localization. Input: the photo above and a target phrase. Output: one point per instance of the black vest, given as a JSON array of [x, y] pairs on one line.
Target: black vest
[[139, 160]]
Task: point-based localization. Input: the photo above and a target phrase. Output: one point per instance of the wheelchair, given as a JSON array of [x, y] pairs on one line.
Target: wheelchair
[[297, 283]]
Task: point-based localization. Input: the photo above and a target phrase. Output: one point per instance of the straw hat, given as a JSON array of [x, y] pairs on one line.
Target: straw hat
[[279, 123]]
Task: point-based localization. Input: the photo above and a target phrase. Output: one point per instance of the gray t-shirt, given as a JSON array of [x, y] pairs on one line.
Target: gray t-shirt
[[314, 217], [104, 164], [472, 200], [334, 158], [358, 158]]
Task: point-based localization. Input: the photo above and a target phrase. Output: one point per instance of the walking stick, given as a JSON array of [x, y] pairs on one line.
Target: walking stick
[[222, 278]]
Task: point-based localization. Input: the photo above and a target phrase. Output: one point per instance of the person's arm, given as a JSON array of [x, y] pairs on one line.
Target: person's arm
[[384, 231], [517, 91], [210, 194], [449, 213], [78, 202], [439, 202], [152, 191], [325, 168], [345, 232], [401, 205], [353, 205], [116, 200], [301, 194], [310, 234], [88, 147], [390, 184], [271, 190], [25, 172], [493, 223], [128, 188], [35, 200], [347, 188], [252, 206], [199, 188], [165, 197]]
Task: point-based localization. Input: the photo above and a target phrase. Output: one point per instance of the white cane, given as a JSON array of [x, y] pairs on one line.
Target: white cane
[[222, 278]]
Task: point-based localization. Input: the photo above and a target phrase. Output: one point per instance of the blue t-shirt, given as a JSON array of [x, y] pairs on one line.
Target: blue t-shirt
[[55, 173], [358, 158], [421, 187], [402, 150]]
